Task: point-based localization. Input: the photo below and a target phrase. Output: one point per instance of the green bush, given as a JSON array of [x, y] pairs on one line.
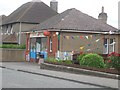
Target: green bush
[[113, 60], [67, 61], [79, 58], [93, 60], [60, 61], [13, 46], [51, 59]]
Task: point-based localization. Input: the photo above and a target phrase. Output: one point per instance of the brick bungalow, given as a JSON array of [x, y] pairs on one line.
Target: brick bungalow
[[73, 30]]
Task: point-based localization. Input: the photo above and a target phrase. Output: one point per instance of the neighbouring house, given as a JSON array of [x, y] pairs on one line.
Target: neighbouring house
[[24, 18], [72, 30]]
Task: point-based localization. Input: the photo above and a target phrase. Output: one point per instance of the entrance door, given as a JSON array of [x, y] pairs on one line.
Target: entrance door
[[41, 47], [41, 44]]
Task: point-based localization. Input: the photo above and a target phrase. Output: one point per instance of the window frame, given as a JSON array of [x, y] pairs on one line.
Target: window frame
[[112, 44], [50, 44], [107, 45]]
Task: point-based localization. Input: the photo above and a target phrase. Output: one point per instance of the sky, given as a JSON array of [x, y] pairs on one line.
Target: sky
[[90, 7]]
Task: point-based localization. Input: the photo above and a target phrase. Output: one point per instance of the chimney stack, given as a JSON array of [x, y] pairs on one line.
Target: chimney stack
[[103, 16], [54, 5], [36, 1]]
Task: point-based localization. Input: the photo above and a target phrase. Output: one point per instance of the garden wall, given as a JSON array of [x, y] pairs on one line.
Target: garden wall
[[12, 55]]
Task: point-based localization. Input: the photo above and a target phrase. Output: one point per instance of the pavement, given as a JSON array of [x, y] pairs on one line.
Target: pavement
[[34, 68], [78, 70]]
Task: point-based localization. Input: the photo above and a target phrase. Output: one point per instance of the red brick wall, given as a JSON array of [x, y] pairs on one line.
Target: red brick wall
[[54, 44]]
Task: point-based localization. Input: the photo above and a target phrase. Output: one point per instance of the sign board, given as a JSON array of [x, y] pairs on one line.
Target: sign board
[[36, 34]]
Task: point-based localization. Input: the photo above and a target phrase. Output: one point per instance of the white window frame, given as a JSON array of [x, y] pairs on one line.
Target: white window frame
[[112, 44], [107, 47], [50, 44]]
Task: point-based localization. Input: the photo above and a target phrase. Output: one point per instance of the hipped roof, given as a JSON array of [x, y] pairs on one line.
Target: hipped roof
[[31, 12], [73, 19]]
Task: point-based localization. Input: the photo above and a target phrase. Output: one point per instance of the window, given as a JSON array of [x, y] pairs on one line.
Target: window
[[41, 44], [9, 29], [50, 44], [112, 45], [105, 48], [109, 46]]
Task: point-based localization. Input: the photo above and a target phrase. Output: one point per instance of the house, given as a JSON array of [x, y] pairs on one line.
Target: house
[[24, 18], [72, 30]]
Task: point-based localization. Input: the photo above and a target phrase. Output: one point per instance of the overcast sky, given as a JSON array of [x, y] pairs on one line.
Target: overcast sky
[[90, 7]]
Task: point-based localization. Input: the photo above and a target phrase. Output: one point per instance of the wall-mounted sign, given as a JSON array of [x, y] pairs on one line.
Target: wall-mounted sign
[[36, 34]]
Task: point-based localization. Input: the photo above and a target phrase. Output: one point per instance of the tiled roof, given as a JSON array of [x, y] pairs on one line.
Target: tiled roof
[[31, 12], [73, 19], [12, 38]]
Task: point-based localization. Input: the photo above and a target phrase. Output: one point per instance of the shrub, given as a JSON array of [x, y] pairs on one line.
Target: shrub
[[51, 59], [13, 46], [93, 60], [60, 61], [79, 58], [22, 46], [113, 60], [67, 61]]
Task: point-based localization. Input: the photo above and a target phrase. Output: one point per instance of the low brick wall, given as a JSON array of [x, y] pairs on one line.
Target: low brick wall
[[12, 55], [77, 70]]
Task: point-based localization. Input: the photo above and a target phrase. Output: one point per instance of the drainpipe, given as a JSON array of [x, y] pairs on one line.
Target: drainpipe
[[58, 47], [19, 41]]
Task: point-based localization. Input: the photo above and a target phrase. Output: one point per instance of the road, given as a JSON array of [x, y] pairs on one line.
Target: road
[[17, 79], [29, 75]]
